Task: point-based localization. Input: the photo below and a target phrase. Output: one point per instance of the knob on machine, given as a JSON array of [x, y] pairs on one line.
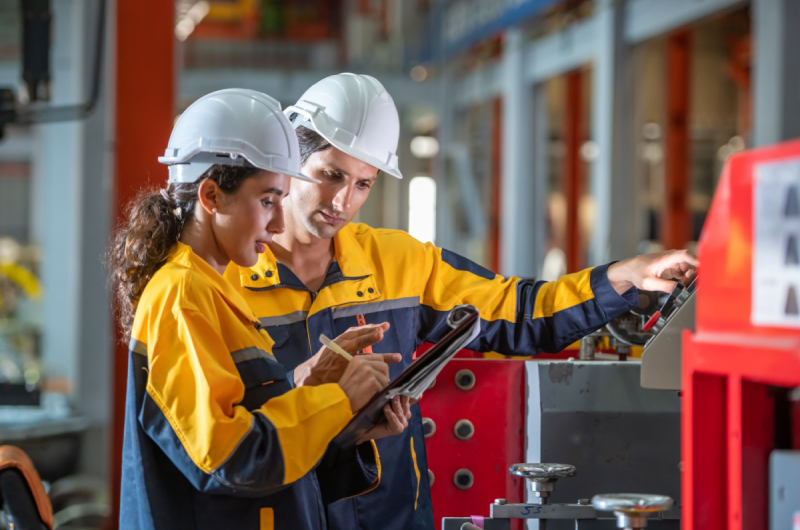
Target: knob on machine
[[465, 379], [542, 477], [631, 509], [428, 427], [464, 429], [463, 479]]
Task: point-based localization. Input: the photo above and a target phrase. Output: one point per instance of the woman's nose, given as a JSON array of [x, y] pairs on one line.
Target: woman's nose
[[276, 225]]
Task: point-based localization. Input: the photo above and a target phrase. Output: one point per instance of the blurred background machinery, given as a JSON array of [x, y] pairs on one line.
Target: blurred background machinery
[[538, 137]]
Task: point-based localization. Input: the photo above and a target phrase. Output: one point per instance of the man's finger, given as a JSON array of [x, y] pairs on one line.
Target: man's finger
[[391, 358], [359, 343], [653, 283], [385, 358], [357, 331], [683, 256]]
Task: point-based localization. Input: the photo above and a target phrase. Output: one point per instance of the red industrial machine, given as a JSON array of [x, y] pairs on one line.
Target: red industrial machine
[[744, 354], [471, 446]]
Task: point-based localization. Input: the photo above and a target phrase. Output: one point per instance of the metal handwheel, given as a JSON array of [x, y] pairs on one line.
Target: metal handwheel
[[542, 477], [631, 509]]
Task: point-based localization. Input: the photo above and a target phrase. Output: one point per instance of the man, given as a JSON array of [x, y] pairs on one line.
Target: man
[[325, 275]]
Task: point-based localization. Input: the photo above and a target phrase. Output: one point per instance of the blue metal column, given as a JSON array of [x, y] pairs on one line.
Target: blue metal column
[[776, 94], [603, 131], [444, 217], [58, 183], [521, 208]]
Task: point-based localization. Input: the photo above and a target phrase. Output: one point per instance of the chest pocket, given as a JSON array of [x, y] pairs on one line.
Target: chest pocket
[[279, 334], [291, 343], [264, 378]]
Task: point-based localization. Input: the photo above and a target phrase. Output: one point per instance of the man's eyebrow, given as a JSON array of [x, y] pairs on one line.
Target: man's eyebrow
[[337, 169], [276, 191]]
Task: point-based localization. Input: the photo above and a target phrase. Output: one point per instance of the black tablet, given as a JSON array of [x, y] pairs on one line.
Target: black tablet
[[464, 322]]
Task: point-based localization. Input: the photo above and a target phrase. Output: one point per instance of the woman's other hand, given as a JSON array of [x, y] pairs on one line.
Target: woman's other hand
[[397, 413], [365, 376]]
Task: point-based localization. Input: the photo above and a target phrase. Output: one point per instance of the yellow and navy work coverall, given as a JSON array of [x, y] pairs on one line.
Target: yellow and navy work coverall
[[215, 437], [388, 276]]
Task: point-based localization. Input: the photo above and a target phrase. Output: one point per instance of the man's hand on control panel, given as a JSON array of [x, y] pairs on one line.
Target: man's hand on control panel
[[653, 272]]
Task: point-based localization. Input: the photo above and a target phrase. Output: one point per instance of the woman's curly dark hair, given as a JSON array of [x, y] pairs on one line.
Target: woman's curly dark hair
[[153, 225]]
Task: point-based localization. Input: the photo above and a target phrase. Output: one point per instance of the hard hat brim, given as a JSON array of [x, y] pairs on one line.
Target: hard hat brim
[[310, 121], [371, 160], [297, 176], [233, 127]]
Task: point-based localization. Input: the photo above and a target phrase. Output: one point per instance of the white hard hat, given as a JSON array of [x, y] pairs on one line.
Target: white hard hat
[[356, 115], [229, 127]]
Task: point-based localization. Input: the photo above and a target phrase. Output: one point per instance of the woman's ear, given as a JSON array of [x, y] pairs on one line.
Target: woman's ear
[[209, 195]]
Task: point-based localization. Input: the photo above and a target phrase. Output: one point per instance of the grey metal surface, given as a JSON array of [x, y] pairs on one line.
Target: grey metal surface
[[542, 511], [455, 523], [596, 416], [776, 79], [661, 357], [542, 471], [646, 19], [664, 521], [518, 244], [631, 502], [14, 432], [784, 489]]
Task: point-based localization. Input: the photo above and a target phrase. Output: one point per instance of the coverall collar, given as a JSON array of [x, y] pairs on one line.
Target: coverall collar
[[182, 255], [348, 254]]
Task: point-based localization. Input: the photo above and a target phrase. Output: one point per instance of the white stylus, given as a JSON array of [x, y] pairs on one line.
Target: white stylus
[[335, 347]]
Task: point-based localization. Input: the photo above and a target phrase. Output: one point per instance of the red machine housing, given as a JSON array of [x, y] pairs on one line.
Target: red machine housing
[[731, 366], [496, 407]]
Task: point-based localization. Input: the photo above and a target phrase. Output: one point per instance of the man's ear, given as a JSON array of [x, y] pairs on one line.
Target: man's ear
[[209, 195]]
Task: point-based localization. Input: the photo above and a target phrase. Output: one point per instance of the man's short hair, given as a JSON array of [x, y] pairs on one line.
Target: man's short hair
[[310, 141]]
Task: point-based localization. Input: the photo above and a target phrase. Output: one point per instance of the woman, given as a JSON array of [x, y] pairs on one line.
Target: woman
[[215, 435]]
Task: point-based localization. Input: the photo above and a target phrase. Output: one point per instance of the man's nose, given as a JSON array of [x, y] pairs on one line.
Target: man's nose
[[343, 198]]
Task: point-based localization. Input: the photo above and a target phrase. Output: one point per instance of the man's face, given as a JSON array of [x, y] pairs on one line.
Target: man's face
[[326, 208]]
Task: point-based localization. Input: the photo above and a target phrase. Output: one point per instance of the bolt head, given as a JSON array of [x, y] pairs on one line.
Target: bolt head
[[500, 501]]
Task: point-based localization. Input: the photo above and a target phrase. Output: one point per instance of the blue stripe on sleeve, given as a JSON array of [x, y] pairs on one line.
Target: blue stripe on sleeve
[[463, 264]]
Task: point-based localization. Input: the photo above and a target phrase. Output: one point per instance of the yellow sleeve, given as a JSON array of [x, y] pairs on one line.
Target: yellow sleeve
[[219, 445], [518, 316]]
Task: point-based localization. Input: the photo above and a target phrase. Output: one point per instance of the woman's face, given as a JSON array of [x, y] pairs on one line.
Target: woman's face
[[247, 219]]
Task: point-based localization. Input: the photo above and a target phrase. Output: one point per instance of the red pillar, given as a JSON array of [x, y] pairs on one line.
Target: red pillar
[[573, 179], [676, 228], [144, 114], [496, 176]]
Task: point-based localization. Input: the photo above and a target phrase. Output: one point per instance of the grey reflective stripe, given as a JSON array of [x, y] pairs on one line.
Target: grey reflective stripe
[[374, 307], [138, 347], [282, 320], [215, 471], [247, 354]]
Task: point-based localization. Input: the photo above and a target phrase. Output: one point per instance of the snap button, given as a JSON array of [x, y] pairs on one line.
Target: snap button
[[371, 290], [268, 274], [254, 277], [359, 293]]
